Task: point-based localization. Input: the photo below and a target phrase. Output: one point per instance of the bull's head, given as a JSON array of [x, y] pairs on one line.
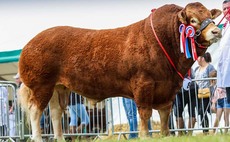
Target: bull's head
[[201, 19]]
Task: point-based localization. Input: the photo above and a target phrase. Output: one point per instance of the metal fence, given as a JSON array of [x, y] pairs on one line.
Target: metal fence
[[11, 122], [185, 104], [107, 115], [13, 125]]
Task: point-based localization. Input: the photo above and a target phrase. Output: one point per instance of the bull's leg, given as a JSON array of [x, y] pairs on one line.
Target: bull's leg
[[164, 117], [145, 114], [61, 94], [38, 100], [56, 115], [32, 111], [35, 116], [143, 88]]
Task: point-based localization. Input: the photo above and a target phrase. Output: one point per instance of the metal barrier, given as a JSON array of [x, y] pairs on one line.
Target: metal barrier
[[121, 126], [97, 127], [108, 114], [11, 122], [15, 127]]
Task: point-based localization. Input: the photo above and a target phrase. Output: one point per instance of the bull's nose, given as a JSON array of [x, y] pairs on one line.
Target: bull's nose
[[216, 32]]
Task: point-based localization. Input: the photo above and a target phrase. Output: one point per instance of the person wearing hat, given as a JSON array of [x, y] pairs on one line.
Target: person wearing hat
[[13, 106], [17, 79], [18, 82]]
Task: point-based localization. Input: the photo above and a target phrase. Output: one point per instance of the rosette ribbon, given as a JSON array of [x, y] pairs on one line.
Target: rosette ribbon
[[190, 32], [182, 37]]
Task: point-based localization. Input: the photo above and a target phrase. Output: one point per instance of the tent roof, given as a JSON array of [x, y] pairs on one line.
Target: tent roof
[[10, 56], [9, 64]]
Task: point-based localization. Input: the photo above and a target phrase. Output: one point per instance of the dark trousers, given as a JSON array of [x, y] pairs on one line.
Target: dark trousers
[[228, 94], [3, 130]]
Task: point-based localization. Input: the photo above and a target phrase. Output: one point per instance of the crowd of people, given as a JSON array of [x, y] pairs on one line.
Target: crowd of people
[[218, 100], [214, 102]]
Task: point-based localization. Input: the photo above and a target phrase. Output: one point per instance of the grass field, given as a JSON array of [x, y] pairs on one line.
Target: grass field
[[156, 137], [208, 138]]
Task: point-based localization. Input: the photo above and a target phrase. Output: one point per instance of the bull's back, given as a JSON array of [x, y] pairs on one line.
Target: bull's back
[[75, 58]]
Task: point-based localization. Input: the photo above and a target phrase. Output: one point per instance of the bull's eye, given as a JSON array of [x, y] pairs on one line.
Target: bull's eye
[[193, 21]]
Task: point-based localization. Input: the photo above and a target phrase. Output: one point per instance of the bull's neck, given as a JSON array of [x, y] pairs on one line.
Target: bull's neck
[[168, 34]]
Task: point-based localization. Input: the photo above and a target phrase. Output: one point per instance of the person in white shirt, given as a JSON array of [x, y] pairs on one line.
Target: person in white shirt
[[219, 104], [3, 110], [223, 68]]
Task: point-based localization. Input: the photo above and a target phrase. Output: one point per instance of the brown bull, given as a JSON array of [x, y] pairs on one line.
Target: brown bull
[[99, 64]]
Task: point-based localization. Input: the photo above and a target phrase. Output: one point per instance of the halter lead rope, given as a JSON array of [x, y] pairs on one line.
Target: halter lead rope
[[162, 47]]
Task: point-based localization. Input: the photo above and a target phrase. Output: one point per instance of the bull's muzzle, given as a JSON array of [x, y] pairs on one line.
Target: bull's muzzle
[[217, 34]]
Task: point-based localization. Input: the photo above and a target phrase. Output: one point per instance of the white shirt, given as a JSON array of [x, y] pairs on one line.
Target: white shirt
[[223, 68], [3, 107]]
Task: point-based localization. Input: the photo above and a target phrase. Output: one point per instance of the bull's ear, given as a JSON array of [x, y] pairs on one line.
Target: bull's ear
[[215, 13], [182, 17]]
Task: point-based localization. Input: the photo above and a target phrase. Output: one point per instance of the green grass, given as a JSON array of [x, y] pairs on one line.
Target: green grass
[[208, 138], [199, 138], [217, 138]]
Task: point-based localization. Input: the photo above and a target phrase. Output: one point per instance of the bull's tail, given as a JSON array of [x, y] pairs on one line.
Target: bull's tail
[[24, 94]]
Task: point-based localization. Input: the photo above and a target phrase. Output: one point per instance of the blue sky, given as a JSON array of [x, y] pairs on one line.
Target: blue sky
[[21, 20]]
